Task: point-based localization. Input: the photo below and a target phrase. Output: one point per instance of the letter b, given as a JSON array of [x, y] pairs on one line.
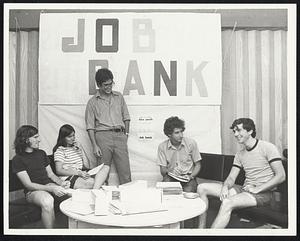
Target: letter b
[[140, 35]]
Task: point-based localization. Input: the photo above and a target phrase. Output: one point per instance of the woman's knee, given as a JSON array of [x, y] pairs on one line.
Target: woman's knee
[[88, 183]]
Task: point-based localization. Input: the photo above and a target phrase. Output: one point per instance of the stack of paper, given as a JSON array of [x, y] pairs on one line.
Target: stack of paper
[[83, 196], [112, 191], [101, 202], [170, 188], [130, 209], [137, 184], [80, 208], [117, 207]]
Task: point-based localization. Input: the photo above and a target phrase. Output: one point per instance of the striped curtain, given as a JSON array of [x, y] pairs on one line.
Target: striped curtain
[[254, 83], [23, 81]]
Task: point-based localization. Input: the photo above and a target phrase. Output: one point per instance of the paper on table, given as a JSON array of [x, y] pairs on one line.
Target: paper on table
[[130, 209], [117, 207], [95, 170], [101, 202], [80, 208], [83, 196]]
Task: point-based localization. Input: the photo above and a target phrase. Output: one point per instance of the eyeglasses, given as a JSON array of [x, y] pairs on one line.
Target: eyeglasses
[[108, 85]]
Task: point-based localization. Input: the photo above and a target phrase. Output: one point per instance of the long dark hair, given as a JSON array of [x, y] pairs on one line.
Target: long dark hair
[[22, 136], [64, 131]]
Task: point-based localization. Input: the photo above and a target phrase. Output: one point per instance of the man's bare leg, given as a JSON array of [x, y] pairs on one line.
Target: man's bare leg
[[240, 200], [204, 190]]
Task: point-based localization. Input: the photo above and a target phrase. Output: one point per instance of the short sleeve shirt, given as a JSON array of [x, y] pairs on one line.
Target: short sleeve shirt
[[34, 164], [71, 157], [256, 162], [179, 162], [102, 114]]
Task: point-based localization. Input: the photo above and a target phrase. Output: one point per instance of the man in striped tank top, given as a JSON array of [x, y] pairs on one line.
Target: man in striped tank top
[[263, 168]]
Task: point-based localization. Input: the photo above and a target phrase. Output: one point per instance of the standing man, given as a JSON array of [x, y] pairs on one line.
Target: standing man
[[107, 122], [178, 157], [263, 168]]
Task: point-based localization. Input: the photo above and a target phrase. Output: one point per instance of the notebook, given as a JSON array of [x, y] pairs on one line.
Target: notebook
[[95, 170]]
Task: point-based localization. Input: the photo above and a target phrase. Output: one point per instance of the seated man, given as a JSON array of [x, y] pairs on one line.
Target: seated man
[[32, 166], [178, 157], [263, 168]]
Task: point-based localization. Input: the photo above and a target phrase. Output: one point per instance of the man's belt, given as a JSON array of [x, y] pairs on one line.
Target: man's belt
[[115, 129]]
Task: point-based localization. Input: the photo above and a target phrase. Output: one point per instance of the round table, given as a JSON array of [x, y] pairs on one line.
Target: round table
[[178, 210]]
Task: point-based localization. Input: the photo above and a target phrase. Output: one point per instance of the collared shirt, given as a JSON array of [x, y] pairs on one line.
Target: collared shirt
[[179, 161], [103, 114]]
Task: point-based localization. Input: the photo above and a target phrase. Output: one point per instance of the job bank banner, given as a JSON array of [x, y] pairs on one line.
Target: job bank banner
[[165, 64]]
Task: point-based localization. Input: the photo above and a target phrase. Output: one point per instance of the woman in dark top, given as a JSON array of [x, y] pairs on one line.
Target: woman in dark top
[[32, 167]]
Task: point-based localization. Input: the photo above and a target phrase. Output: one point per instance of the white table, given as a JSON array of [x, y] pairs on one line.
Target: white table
[[178, 210]]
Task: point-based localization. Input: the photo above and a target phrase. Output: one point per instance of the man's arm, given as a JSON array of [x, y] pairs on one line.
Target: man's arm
[[228, 183], [162, 161], [96, 149], [25, 179], [230, 180], [196, 170], [279, 177], [163, 170], [127, 124], [52, 176]]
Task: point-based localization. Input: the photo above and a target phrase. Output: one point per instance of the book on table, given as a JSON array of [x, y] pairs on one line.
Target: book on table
[[170, 188]]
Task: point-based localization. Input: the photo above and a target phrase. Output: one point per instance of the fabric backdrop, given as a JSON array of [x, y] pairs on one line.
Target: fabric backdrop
[[247, 56], [161, 72]]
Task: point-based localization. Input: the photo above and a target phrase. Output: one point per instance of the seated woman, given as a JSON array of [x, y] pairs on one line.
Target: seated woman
[[32, 166], [68, 159]]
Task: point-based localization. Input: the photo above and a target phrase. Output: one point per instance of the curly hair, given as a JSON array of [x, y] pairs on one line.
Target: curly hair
[[171, 123], [103, 75], [22, 136], [248, 125], [64, 131]]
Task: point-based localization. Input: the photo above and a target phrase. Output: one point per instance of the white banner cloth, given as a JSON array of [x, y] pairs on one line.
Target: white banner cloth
[[165, 64]]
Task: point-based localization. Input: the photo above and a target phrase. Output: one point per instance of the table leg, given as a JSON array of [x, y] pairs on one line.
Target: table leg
[[174, 225], [73, 223]]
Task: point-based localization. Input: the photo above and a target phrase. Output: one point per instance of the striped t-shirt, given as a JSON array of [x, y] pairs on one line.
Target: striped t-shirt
[[71, 157], [256, 162]]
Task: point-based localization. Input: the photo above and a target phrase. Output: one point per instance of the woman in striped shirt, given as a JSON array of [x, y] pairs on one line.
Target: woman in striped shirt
[[68, 159]]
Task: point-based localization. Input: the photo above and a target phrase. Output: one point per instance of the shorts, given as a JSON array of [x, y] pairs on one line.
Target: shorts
[[72, 180], [262, 198], [57, 199]]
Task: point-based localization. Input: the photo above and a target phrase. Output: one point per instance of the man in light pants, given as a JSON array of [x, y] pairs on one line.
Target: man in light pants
[[107, 122]]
